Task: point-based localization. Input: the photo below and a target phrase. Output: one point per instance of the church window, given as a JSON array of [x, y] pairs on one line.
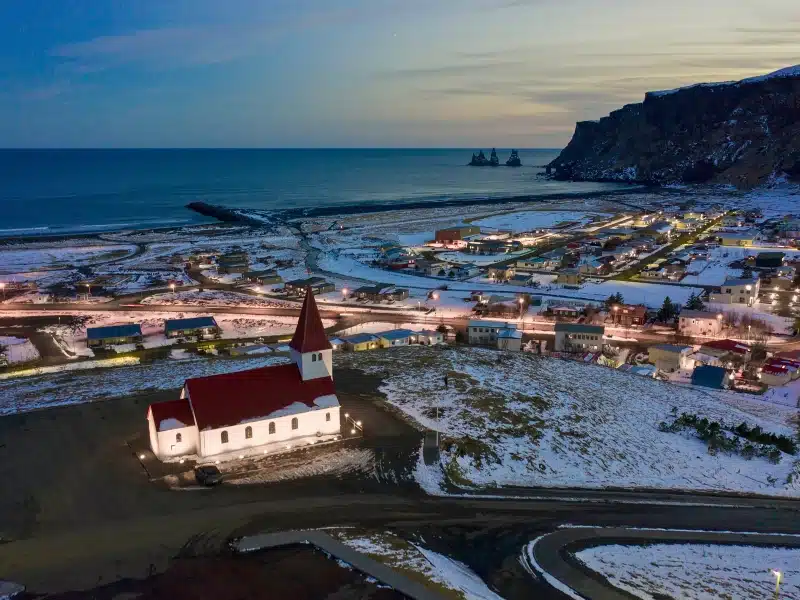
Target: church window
[[178, 438], [294, 423], [224, 437], [272, 428], [327, 417], [320, 356], [313, 358], [248, 433]]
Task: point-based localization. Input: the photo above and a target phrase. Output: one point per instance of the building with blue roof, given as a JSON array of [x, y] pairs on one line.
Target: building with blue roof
[[360, 342], [112, 335], [395, 337], [711, 377], [191, 327]]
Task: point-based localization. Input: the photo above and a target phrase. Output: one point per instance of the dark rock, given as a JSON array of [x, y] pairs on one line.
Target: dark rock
[[742, 133]]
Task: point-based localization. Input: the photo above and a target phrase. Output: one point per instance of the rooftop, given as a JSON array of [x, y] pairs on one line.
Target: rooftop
[[395, 334], [496, 324], [671, 348], [113, 331], [191, 323], [359, 338], [310, 334], [698, 314], [172, 414], [734, 282], [579, 328]]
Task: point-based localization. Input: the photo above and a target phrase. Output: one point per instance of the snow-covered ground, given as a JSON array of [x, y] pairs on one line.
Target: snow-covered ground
[[77, 387], [398, 553], [294, 466], [519, 419], [529, 220], [15, 261], [462, 258], [18, 350], [697, 572], [760, 311], [214, 298]]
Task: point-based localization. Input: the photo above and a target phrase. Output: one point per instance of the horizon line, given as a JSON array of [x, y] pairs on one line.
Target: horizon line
[[262, 148]]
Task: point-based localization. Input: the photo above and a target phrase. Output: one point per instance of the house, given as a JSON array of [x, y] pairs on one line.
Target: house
[[195, 326], [395, 337], [569, 277], [775, 374], [509, 339], [456, 234], [732, 220], [112, 335], [542, 263], [263, 277], [432, 268], [670, 357], [699, 323], [594, 266], [571, 312], [336, 343], [265, 407], [645, 220], [464, 271], [726, 349], [372, 293], [770, 260], [235, 262], [746, 239], [486, 333], [501, 273], [360, 342], [430, 337], [627, 315], [397, 294], [576, 337], [521, 278], [712, 377], [493, 246], [641, 370], [737, 291], [317, 285], [662, 231]]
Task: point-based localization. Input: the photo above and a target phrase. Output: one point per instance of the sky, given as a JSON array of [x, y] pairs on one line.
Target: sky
[[361, 73]]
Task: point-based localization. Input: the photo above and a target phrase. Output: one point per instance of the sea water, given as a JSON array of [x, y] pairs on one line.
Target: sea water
[[84, 191]]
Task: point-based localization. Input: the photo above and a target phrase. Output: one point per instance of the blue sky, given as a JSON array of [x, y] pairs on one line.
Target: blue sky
[[357, 73]]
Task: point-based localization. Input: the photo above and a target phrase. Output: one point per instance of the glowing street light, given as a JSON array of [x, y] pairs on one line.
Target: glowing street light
[[778, 575], [344, 293], [352, 432], [435, 296], [172, 287], [3, 287], [141, 457]]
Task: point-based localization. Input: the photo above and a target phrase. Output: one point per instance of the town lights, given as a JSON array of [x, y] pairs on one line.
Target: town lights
[[172, 287], [748, 287], [241, 456], [358, 423], [346, 415], [719, 317], [344, 292], [352, 432], [141, 457], [435, 296]]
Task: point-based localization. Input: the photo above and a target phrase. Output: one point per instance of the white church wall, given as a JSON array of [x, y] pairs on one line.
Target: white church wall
[[309, 423], [314, 369], [169, 445], [151, 427]]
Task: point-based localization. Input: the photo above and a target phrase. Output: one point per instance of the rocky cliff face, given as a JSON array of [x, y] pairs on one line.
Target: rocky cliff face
[[744, 133]]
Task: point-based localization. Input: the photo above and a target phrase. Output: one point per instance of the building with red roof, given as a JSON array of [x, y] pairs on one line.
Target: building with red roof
[[725, 349], [265, 407]]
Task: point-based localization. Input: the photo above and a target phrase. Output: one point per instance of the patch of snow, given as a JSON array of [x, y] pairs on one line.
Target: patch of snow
[[19, 350]]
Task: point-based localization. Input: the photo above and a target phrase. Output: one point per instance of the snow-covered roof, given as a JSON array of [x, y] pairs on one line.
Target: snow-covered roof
[[497, 324]]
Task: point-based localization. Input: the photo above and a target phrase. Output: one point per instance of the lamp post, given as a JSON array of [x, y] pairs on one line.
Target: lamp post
[[3, 288], [616, 314], [88, 290], [344, 294], [172, 287], [778, 575]]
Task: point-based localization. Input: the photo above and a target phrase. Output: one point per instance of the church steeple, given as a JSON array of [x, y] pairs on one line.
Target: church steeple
[[310, 348]]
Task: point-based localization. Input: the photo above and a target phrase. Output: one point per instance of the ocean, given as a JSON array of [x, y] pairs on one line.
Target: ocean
[[53, 192]]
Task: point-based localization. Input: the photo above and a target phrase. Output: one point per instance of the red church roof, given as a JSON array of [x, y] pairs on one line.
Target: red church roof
[[233, 398], [729, 346], [172, 409], [310, 334]]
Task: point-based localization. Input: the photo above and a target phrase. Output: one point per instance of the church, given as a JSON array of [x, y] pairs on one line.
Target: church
[[269, 406]]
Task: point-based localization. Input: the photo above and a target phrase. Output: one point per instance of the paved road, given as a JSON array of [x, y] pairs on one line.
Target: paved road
[[554, 552]]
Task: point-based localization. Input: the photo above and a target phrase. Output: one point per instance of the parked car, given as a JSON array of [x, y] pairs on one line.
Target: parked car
[[208, 475]]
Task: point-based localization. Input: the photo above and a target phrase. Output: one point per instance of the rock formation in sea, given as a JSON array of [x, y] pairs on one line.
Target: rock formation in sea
[[745, 133]]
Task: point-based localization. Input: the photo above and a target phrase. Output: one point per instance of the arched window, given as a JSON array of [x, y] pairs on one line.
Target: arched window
[[224, 437], [272, 428], [327, 417], [320, 356], [248, 433], [294, 423], [178, 438], [313, 358]]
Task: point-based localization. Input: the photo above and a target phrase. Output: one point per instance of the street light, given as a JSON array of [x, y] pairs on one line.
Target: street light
[[172, 287], [778, 575], [3, 287]]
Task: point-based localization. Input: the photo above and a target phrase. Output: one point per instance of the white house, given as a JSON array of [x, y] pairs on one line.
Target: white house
[[577, 337], [737, 291], [670, 358], [699, 323], [429, 337], [265, 407], [493, 333]]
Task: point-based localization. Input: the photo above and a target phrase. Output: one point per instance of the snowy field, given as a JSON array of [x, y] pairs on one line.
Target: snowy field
[[397, 553], [533, 219], [480, 260], [214, 298], [18, 350], [519, 419], [15, 261], [297, 466], [77, 387], [717, 268], [697, 572]]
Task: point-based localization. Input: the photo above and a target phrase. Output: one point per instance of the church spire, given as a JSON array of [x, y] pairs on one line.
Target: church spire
[[310, 334]]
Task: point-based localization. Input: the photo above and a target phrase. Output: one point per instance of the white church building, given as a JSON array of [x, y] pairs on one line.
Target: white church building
[[258, 407]]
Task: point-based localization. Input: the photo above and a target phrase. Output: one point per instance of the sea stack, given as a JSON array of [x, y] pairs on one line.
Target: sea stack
[[513, 160]]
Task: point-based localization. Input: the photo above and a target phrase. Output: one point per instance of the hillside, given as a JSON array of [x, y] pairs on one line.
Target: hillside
[[744, 133]]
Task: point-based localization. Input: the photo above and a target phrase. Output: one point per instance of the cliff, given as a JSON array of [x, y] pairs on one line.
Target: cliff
[[745, 133]]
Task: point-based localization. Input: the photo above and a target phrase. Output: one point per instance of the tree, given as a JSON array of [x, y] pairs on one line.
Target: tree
[[614, 299], [747, 272], [667, 311], [694, 302]]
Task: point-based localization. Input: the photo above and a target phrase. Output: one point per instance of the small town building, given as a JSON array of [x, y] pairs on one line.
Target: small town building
[[192, 327], [577, 337], [641, 370], [569, 277], [745, 239], [737, 291], [732, 220], [709, 376], [456, 234], [540, 263], [775, 374], [317, 285], [503, 273], [566, 311], [628, 315], [360, 342], [336, 343], [662, 231], [372, 293], [645, 220], [770, 260], [670, 357], [464, 271], [395, 337], [521, 278], [594, 266], [265, 407], [509, 339], [699, 323], [486, 333], [265, 277], [429, 337], [726, 349], [113, 335], [234, 262], [397, 294], [493, 246]]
